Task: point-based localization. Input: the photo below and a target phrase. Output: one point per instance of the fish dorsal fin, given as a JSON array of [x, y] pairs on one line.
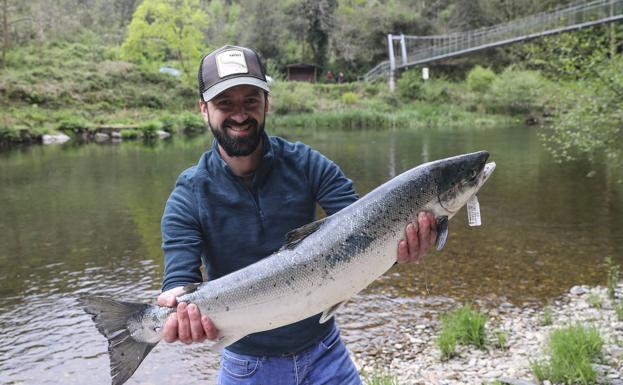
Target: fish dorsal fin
[[295, 236], [327, 314], [442, 232]]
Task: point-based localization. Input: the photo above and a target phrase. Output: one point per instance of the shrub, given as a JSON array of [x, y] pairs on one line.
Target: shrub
[[573, 350], [73, 125], [130, 134], [292, 97], [410, 85], [349, 98], [479, 79], [149, 128], [517, 92]]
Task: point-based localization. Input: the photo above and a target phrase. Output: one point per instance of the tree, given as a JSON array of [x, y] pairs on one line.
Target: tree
[[163, 30], [320, 15]]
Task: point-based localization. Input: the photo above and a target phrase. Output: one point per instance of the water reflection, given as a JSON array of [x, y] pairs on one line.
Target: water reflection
[[85, 219]]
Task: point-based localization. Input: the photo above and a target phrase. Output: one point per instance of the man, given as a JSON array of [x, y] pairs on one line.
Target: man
[[234, 208]]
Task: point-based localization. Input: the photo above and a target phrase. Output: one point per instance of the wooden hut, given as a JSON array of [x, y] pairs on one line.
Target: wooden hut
[[303, 72]]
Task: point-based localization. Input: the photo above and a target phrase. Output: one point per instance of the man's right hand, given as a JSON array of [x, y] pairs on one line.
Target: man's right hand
[[187, 324]]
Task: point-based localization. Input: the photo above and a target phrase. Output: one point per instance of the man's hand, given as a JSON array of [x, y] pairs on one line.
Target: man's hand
[[187, 324], [420, 236]]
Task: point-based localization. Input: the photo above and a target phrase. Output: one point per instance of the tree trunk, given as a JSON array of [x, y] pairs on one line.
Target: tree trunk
[[5, 31]]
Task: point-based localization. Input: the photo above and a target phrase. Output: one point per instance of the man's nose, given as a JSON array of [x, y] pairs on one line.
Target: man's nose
[[240, 114]]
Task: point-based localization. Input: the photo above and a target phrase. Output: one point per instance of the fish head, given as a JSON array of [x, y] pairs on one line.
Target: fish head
[[459, 178]]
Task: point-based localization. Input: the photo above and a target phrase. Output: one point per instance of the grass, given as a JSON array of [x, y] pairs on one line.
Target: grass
[[613, 277], [379, 377], [594, 300], [501, 339], [572, 351], [547, 319], [464, 326], [618, 308]]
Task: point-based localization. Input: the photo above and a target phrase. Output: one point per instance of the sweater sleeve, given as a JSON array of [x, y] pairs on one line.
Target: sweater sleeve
[[182, 242], [333, 190]]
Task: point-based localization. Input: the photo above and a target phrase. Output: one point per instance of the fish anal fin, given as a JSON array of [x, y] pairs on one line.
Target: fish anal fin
[[442, 232], [295, 236], [330, 312]]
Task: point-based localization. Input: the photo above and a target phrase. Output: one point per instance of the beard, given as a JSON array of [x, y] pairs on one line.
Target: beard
[[238, 145]]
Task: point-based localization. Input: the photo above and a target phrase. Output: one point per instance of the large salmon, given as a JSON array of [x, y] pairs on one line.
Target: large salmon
[[321, 265]]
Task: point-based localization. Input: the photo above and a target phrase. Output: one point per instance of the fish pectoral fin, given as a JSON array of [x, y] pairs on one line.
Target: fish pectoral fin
[[330, 312], [295, 236], [442, 232], [223, 341]]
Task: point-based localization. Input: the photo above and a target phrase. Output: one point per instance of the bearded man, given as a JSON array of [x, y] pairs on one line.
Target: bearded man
[[235, 207]]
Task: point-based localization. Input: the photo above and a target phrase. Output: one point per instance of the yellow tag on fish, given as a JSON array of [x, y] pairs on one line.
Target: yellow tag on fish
[[473, 211]]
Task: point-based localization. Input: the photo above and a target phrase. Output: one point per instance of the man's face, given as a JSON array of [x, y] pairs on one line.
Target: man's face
[[236, 118]]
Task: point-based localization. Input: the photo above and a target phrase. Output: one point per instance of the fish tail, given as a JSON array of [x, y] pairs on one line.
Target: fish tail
[[111, 319]]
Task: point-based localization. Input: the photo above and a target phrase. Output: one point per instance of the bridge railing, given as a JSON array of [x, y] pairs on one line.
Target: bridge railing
[[424, 49]]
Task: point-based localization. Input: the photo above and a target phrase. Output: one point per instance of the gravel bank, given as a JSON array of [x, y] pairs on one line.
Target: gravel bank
[[410, 352]]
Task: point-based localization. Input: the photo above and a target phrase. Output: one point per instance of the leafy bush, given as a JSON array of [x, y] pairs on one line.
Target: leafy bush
[[350, 98], [74, 125], [292, 97], [479, 79], [572, 350], [410, 85], [149, 128], [517, 92], [130, 134]]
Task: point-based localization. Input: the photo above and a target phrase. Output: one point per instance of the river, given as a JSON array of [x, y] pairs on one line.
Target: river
[[77, 219]]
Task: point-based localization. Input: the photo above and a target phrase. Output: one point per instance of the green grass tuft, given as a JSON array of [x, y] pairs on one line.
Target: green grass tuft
[[573, 350], [379, 377], [464, 326]]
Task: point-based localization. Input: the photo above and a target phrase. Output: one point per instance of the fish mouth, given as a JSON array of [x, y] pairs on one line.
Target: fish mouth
[[487, 171]]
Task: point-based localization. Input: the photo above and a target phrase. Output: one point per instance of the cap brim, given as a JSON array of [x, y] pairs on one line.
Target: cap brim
[[229, 83]]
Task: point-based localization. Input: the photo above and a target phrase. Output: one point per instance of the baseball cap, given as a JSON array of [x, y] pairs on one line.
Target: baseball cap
[[227, 67]]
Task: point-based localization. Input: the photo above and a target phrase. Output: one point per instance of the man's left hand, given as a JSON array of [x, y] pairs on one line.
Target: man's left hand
[[420, 236]]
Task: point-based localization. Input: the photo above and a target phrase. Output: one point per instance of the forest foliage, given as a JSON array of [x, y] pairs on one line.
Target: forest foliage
[[574, 79]]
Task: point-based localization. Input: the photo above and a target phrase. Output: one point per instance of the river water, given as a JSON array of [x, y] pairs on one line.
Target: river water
[[85, 219]]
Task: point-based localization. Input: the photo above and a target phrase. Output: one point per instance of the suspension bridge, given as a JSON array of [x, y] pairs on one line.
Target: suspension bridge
[[421, 50]]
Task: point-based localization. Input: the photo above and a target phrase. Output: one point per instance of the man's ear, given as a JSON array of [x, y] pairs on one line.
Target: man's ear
[[266, 104], [203, 106]]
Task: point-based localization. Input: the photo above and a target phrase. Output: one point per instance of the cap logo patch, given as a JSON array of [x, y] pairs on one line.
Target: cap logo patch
[[231, 62]]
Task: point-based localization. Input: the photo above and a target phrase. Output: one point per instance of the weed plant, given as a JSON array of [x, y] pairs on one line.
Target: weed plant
[[547, 318], [594, 300], [613, 277], [464, 326], [379, 377], [501, 339], [572, 350]]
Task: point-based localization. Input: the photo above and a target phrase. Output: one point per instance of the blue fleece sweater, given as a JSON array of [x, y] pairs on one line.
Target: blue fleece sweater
[[213, 217]]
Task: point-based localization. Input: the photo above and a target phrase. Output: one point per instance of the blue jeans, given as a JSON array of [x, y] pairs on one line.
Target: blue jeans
[[326, 363]]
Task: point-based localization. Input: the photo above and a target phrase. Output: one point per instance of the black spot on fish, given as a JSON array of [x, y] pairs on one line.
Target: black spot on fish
[[227, 308]]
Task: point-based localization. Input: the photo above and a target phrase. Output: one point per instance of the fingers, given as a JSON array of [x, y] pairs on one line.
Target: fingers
[[169, 331], [196, 328], [209, 328], [188, 325], [420, 236]]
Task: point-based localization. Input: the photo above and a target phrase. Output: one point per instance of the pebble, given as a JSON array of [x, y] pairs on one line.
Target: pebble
[[406, 348]]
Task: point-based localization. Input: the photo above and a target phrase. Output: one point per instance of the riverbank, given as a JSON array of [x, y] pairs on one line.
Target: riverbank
[[412, 357], [84, 91]]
